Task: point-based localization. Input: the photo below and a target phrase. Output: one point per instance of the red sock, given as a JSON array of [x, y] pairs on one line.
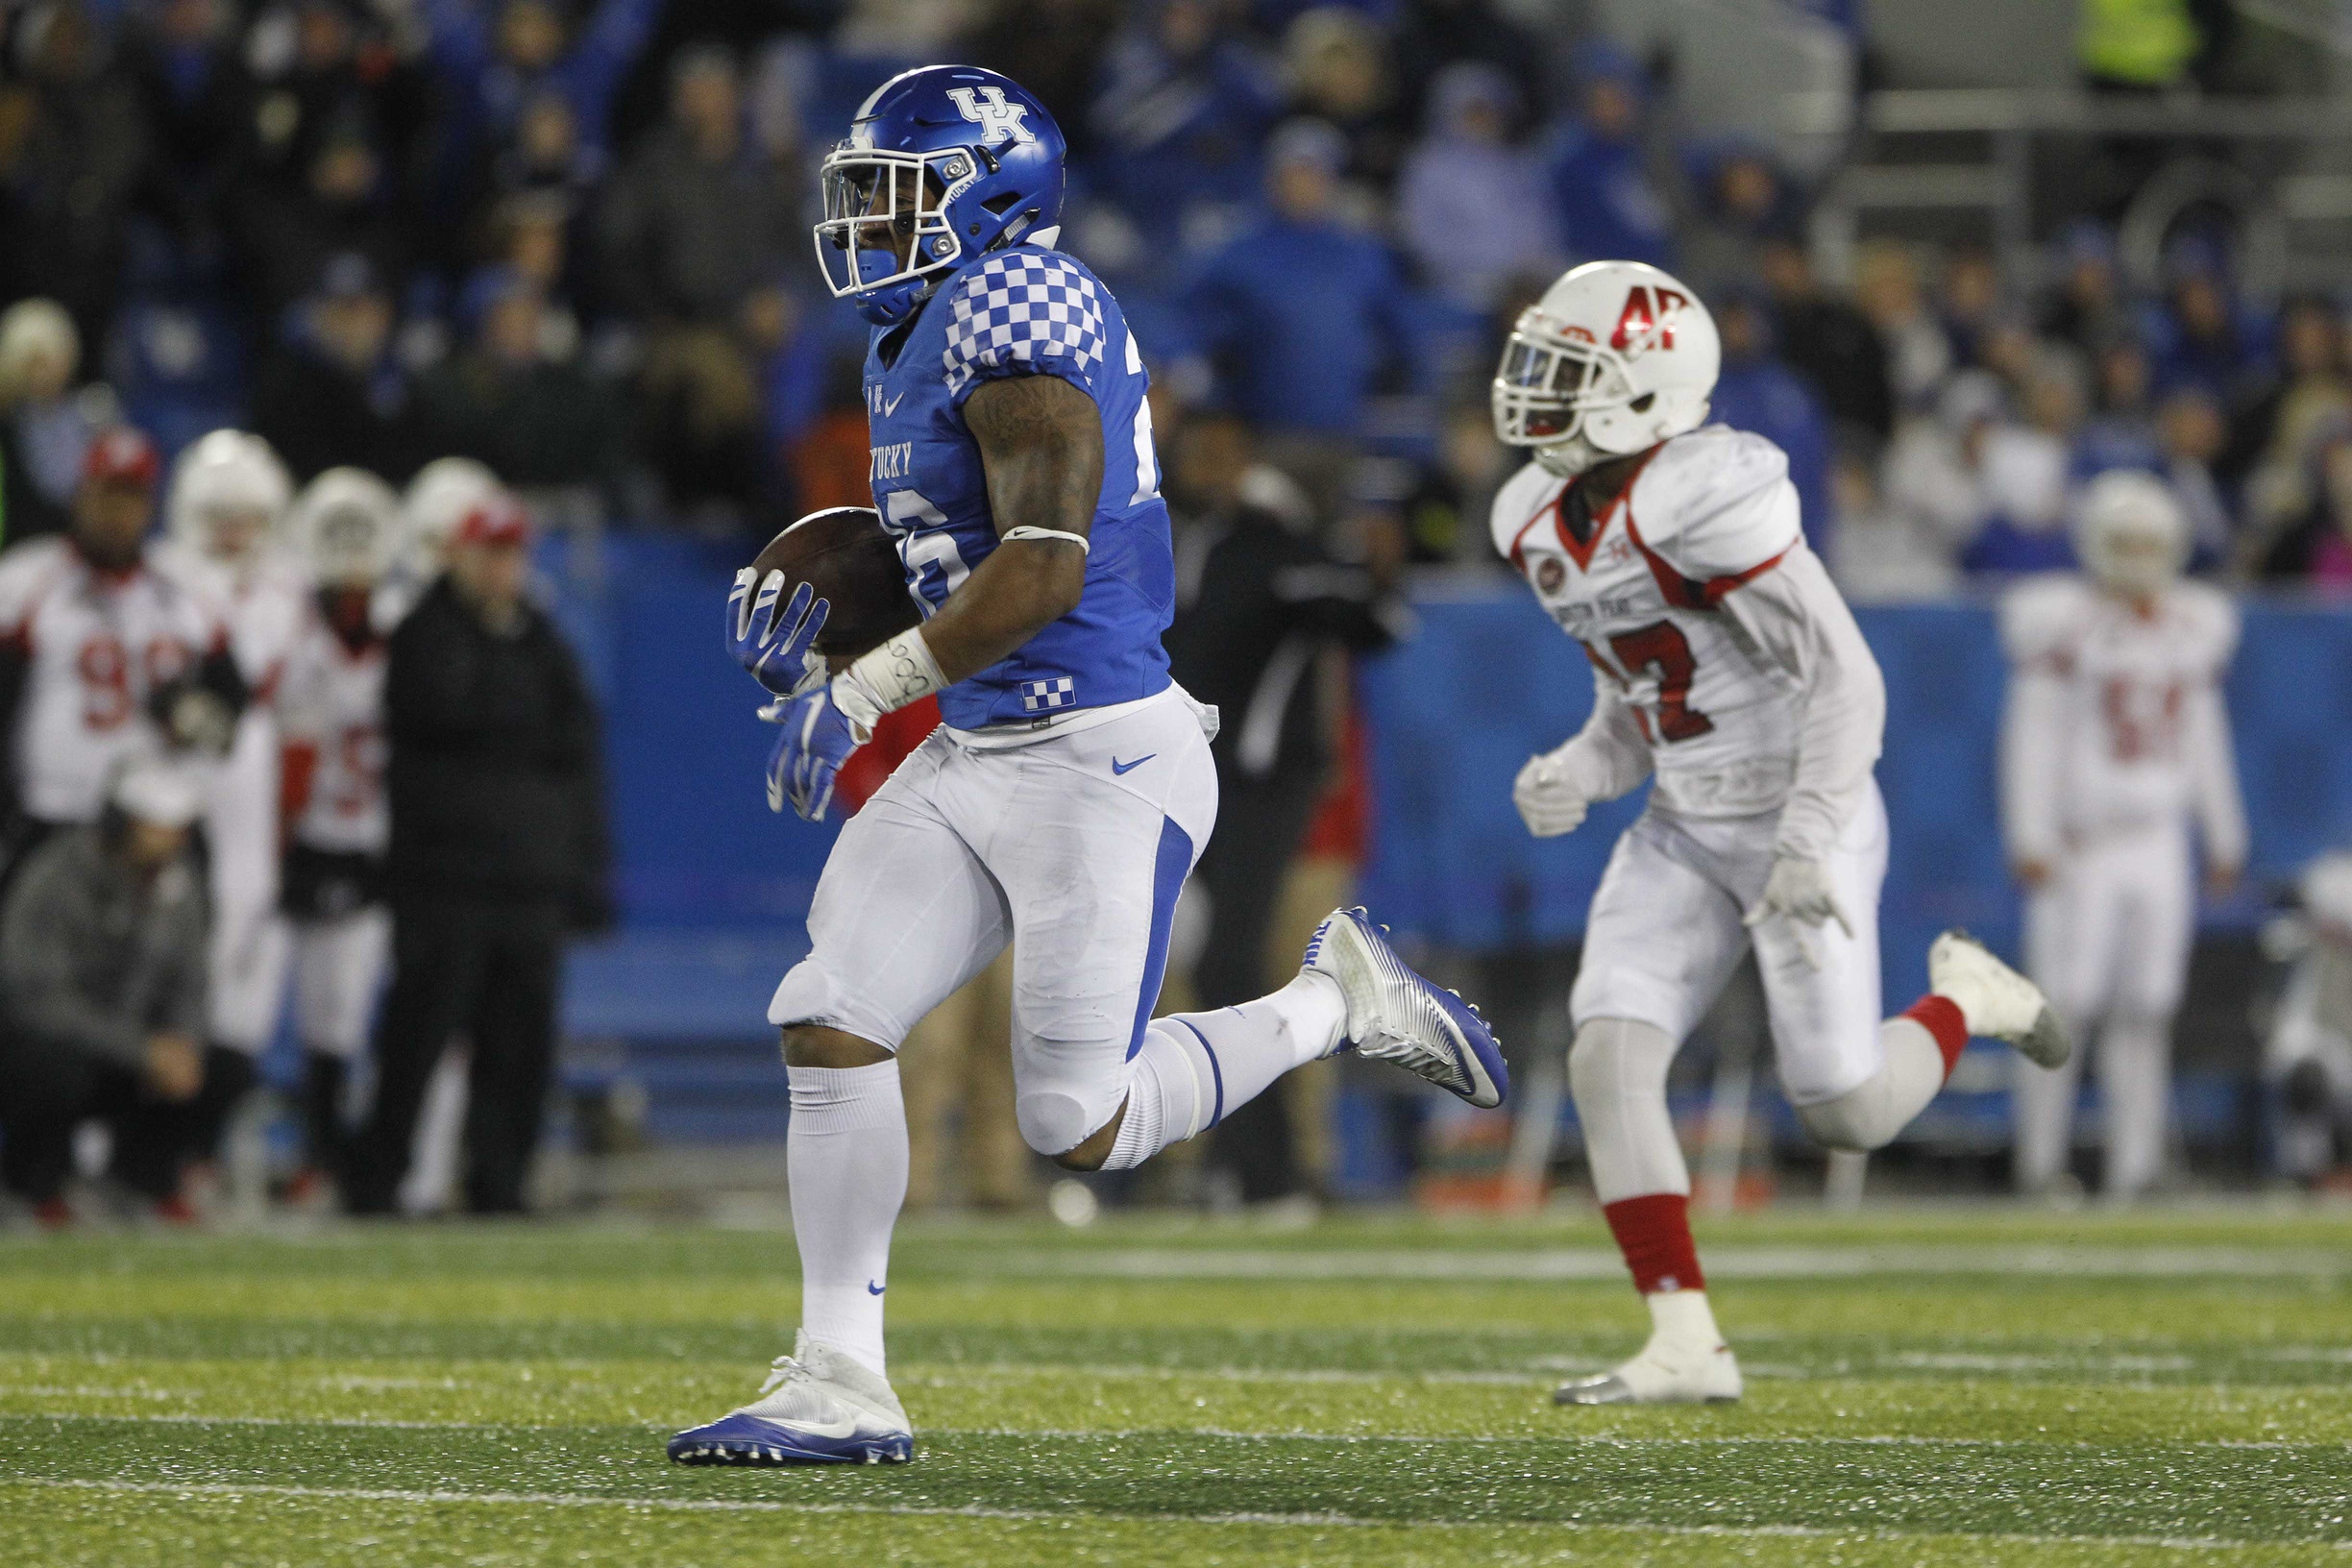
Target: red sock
[[1940, 1017], [1654, 1233]]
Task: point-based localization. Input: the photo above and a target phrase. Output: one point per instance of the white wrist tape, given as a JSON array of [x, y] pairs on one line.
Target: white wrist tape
[[900, 671], [1025, 531]]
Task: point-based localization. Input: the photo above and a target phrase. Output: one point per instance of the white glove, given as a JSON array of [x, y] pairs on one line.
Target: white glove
[[1548, 801], [1798, 892]]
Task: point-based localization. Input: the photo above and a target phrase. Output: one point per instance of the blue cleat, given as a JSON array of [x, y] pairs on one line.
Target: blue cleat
[[818, 1407], [1394, 1014]]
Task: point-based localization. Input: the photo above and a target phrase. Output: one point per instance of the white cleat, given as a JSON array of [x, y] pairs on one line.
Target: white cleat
[[1393, 1015], [1662, 1374], [1994, 1000], [819, 1406]]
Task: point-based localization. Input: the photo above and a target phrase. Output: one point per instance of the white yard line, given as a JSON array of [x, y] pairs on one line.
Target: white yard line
[[1738, 1262], [1066, 1515], [1131, 1434]]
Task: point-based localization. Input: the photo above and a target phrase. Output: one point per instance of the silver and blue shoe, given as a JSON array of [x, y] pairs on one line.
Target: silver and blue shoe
[[1394, 1014], [818, 1406]]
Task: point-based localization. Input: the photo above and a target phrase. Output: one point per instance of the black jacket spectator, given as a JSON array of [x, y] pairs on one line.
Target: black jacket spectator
[[498, 847], [698, 217], [334, 393], [496, 787], [1260, 603], [534, 420], [1828, 343]]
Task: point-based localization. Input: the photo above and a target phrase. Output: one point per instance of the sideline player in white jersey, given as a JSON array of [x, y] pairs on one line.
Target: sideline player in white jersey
[[2116, 753], [103, 657], [1728, 670], [223, 517], [1067, 793], [348, 525]]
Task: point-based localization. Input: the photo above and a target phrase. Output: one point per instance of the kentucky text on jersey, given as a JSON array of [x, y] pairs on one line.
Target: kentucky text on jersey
[[1026, 310]]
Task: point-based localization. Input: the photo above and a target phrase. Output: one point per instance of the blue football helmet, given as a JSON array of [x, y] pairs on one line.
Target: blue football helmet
[[941, 166]]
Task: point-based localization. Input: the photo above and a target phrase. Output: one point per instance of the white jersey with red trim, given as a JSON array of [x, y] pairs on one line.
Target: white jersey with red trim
[[1707, 512], [97, 645], [332, 702], [263, 608], [2115, 721]]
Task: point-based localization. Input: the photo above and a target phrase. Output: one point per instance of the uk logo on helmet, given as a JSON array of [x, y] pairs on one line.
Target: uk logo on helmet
[[986, 107], [1647, 311]]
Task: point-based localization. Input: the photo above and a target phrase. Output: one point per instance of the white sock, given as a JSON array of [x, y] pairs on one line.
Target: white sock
[[1682, 1317], [2135, 1073], [846, 1159], [1869, 1115], [1193, 1069]]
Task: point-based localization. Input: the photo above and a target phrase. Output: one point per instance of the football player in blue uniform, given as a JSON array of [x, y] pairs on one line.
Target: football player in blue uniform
[[1069, 790]]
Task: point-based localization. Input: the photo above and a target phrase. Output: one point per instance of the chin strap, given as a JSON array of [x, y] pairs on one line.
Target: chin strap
[[1025, 531]]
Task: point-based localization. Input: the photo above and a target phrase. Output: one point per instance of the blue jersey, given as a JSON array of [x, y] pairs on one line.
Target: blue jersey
[[1025, 311]]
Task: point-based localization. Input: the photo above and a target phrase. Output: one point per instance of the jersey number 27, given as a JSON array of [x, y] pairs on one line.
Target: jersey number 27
[[1660, 647]]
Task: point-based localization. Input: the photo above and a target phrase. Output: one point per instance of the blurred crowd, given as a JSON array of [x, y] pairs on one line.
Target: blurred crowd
[[565, 237]]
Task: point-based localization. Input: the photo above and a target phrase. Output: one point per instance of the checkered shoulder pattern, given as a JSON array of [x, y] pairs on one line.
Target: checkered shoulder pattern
[[1023, 306]]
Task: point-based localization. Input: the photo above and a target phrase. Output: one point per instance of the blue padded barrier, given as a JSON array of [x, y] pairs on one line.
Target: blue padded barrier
[[1452, 716], [1490, 681]]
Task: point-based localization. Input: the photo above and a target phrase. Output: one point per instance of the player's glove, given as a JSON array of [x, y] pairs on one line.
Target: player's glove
[[1798, 892], [1550, 801], [818, 739], [773, 637]]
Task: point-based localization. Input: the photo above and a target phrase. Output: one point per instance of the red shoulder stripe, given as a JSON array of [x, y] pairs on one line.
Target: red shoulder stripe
[[1717, 587]]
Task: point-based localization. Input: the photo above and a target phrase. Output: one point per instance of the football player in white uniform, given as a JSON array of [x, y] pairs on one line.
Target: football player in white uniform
[[349, 526], [229, 495], [2115, 745], [436, 501], [101, 656], [1729, 670]]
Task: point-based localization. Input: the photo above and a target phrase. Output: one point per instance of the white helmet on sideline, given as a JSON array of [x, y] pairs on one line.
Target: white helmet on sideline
[[438, 498], [1615, 357], [349, 526], [229, 492], [2131, 534]]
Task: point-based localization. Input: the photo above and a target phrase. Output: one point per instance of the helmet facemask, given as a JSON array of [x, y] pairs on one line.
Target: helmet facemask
[[2133, 562], [1549, 388], [880, 205]]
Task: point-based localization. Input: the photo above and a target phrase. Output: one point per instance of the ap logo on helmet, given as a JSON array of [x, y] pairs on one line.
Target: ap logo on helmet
[[987, 108]]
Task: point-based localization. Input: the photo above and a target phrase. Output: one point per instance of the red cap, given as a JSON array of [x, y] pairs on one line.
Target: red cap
[[494, 520], [121, 455]]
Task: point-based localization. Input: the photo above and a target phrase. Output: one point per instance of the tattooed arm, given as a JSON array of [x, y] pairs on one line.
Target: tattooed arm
[[1041, 446]]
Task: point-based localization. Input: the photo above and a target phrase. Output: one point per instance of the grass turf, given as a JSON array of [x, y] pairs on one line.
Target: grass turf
[[1926, 1386]]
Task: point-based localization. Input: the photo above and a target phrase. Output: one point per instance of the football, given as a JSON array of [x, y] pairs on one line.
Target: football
[[846, 556]]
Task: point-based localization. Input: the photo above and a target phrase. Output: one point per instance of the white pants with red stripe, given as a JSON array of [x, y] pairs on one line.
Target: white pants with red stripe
[[1665, 935]]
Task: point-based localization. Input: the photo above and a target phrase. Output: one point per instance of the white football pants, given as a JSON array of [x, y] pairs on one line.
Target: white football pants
[[1665, 935], [338, 965], [248, 957], [2108, 939], [1071, 845]]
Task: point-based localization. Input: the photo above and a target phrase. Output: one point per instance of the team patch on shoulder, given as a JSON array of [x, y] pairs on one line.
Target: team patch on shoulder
[[1023, 305]]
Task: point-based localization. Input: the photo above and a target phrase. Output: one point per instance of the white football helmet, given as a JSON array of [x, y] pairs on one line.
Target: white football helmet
[[229, 493], [1616, 357], [348, 525], [438, 498], [2131, 534]]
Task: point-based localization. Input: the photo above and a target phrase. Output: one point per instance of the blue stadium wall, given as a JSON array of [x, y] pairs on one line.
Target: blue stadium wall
[[714, 887]]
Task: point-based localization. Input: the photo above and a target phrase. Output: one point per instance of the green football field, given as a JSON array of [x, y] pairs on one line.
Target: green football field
[[1926, 1386]]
